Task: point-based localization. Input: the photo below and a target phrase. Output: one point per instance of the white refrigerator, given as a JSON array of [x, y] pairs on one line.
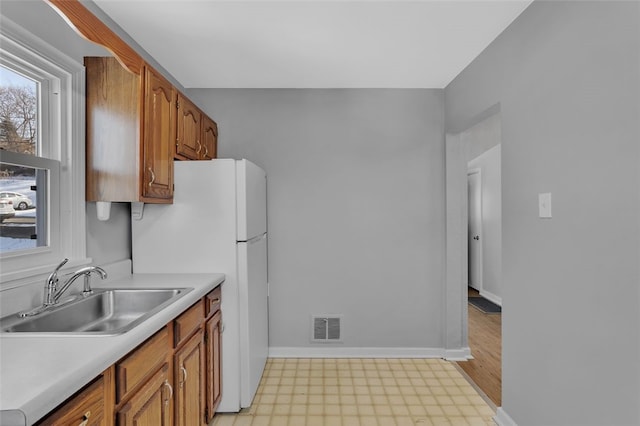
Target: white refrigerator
[[217, 223]]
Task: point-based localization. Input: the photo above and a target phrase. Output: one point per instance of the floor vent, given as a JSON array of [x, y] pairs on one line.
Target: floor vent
[[326, 328]]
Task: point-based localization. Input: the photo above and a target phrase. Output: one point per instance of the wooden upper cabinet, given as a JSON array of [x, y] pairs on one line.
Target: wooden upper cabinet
[[158, 130], [130, 133], [113, 131], [209, 139], [188, 143], [197, 134], [133, 128]]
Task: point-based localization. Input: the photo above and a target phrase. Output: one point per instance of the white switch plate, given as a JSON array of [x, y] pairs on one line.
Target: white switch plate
[[544, 205]]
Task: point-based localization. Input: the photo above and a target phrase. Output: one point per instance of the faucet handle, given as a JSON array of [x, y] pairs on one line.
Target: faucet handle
[[52, 279], [65, 260], [51, 285], [54, 275]]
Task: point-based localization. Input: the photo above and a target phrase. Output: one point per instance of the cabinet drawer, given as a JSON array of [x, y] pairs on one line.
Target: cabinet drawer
[[188, 322], [87, 405], [142, 362], [213, 300]]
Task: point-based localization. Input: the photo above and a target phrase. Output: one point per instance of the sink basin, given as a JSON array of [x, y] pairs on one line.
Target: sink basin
[[105, 312]]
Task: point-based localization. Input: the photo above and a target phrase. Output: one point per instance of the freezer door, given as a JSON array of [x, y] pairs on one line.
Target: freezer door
[[254, 315], [251, 200]]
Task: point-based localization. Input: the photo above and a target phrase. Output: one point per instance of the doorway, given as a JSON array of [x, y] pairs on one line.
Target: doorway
[[474, 170]]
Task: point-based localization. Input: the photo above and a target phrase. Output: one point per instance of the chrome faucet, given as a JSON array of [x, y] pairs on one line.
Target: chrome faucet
[[86, 271], [51, 292]]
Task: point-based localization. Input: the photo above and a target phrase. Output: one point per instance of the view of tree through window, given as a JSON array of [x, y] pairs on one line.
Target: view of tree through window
[[18, 183], [18, 112]]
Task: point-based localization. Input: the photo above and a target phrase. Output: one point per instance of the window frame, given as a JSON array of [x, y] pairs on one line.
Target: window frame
[[67, 122]]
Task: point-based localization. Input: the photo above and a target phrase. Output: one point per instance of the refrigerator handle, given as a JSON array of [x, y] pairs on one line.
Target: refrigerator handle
[[256, 239]]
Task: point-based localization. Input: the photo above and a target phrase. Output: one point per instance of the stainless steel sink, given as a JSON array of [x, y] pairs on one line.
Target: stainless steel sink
[[106, 312]]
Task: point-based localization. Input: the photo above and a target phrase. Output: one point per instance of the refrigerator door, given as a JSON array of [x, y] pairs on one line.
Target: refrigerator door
[[251, 200], [254, 316]]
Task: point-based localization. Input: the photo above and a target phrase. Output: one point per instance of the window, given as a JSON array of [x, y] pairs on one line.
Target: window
[[21, 184], [41, 156]]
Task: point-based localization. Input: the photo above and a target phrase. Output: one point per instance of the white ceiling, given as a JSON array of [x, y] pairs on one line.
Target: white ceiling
[[313, 44]]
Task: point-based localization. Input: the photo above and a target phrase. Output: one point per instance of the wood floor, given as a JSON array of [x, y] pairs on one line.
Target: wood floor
[[485, 341]]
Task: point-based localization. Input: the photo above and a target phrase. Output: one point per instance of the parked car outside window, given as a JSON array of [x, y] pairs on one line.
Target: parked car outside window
[[20, 201], [6, 210]]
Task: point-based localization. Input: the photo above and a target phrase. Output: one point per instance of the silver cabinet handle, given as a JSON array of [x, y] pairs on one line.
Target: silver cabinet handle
[[184, 376], [199, 147], [166, 383], [153, 176], [206, 151]]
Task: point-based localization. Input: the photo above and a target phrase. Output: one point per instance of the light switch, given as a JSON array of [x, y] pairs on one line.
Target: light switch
[[544, 205]]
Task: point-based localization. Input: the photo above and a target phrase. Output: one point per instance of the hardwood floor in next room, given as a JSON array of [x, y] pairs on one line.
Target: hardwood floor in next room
[[485, 341]]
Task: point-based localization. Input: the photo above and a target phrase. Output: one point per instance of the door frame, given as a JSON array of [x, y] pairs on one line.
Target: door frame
[[455, 295], [455, 298]]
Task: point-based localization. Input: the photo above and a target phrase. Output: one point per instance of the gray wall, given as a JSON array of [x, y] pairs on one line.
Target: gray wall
[[566, 76], [355, 207]]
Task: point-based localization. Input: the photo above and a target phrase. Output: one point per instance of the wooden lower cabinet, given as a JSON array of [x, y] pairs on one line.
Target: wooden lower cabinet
[[134, 368], [173, 378], [89, 407], [189, 382], [151, 405], [213, 346]]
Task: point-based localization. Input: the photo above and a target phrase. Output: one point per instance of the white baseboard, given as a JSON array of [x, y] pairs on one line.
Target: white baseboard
[[503, 419], [342, 352], [463, 354], [491, 297]]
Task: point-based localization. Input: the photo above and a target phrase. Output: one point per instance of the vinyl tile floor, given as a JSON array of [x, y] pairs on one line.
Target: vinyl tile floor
[[362, 392]]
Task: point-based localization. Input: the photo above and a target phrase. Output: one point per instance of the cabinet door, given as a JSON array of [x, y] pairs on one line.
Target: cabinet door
[[151, 405], [209, 139], [113, 106], [158, 136], [189, 382], [188, 143], [213, 346]]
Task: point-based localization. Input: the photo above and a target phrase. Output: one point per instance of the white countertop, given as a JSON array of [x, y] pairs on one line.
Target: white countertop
[[38, 373]]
